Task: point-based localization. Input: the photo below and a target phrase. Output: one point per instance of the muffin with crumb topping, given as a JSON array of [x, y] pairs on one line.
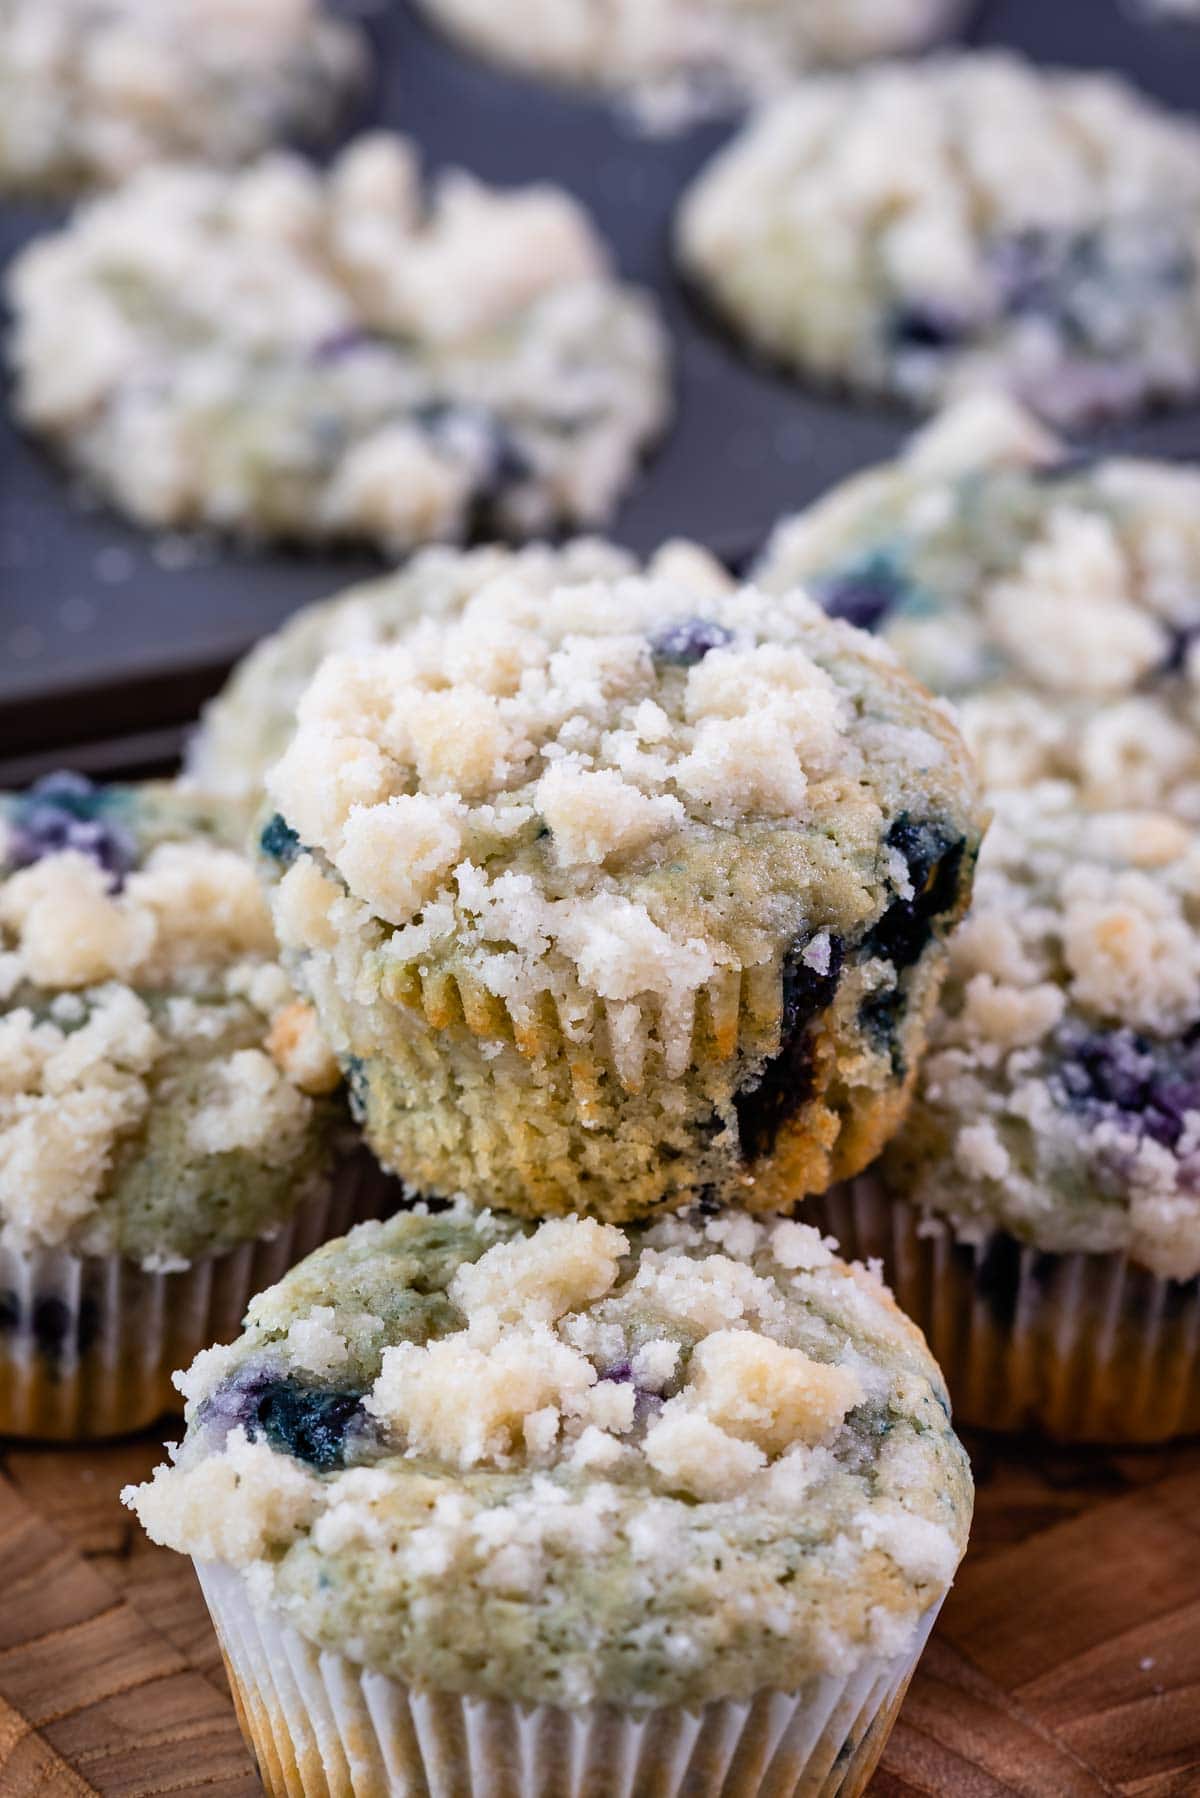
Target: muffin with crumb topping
[[678, 60], [683, 1497], [1039, 1213], [91, 90], [1055, 597], [172, 1131], [623, 893], [333, 355], [927, 229], [247, 726]]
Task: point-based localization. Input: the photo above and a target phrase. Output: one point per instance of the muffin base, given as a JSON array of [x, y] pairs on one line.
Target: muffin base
[[88, 1344], [321, 1727], [1082, 1348], [545, 1117]]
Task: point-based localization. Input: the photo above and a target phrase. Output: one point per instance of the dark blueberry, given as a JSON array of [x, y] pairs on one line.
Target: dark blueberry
[[807, 991], [646, 1404], [65, 811], [1026, 267], [688, 641], [503, 464], [340, 344], [1181, 639], [926, 326], [307, 1422], [933, 855], [1094, 282], [1118, 1076], [786, 1081], [279, 841], [880, 1017], [70, 793], [864, 594]]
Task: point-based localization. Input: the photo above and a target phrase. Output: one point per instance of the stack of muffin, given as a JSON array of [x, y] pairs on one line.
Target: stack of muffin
[[622, 898], [579, 955]]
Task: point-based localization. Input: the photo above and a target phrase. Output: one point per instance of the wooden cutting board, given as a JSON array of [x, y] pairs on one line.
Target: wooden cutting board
[[1066, 1664]]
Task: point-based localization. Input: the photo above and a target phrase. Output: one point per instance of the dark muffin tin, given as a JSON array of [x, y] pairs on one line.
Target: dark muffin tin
[[111, 638]]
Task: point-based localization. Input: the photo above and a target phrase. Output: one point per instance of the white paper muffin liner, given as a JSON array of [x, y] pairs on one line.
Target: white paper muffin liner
[[1084, 1348], [321, 1727], [88, 1344]]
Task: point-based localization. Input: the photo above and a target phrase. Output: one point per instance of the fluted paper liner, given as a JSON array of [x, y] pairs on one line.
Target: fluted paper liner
[[321, 1727], [1085, 1348], [88, 1344]]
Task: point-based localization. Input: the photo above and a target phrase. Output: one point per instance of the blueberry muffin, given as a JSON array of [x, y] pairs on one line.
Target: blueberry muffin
[[924, 230], [688, 1491], [338, 355], [171, 1128], [676, 59], [1054, 597], [91, 90], [247, 726], [1040, 1210], [623, 893]]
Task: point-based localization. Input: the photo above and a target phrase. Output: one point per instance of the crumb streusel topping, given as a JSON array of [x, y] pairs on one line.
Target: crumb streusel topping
[[339, 354], [163, 1092], [1060, 1098], [91, 90], [248, 725], [930, 228], [575, 1464], [1054, 597]]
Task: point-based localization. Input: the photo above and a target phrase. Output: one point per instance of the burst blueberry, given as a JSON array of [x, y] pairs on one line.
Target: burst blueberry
[[646, 1404], [67, 812], [809, 982], [310, 1423], [926, 327], [279, 841], [864, 594], [483, 436], [1118, 1076], [688, 641], [933, 856]]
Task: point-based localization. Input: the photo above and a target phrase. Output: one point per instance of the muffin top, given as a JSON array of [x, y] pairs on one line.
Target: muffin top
[[1055, 597], [92, 89], [928, 228], [163, 1093], [339, 353], [614, 792], [1060, 1098], [678, 59], [570, 1464], [247, 726]]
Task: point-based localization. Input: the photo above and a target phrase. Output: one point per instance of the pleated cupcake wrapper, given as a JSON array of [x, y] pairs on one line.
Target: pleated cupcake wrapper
[[88, 1344], [605, 1039], [1085, 1348], [321, 1727]]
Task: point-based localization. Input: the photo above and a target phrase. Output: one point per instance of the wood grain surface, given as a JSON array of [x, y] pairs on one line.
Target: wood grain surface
[[1066, 1663]]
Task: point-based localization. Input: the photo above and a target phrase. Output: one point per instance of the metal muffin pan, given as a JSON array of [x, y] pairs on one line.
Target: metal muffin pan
[[111, 638]]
